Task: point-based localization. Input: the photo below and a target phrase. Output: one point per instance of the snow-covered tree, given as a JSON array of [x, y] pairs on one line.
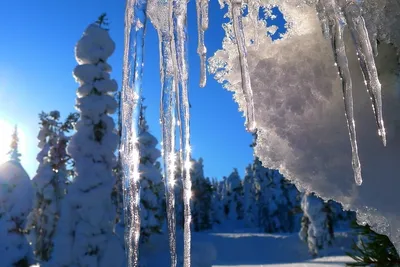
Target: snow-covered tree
[[281, 213], [277, 200], [293, 197], [261, 175], [14, 248], [49, 182], [118, 194], [251, 191], [84, 235], [234, 196], [14, 152], [201, 197], [316, 228], [152, 188], [217, 205], [342, 219], [16, 194]]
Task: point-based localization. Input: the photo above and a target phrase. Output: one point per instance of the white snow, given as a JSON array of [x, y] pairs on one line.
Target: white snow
[[300, 120], [16, 197], [15, 182], [84, 235], [247, 249], [95, 45]]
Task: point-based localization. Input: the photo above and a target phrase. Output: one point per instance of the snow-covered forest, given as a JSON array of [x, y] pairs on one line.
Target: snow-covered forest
[[108, 193], [71, 212], [51, 226]]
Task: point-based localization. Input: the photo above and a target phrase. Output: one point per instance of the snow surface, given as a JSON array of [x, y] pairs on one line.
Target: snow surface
[[300, 112], [229, 248]]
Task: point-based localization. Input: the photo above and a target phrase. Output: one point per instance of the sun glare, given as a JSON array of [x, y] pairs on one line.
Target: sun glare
[[6, 130]]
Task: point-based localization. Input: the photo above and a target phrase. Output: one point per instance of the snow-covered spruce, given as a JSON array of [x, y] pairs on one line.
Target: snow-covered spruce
[[14, 152], [84, 235], [201, 198], [14, 183], [151, 185], [49, 182], [277, 200], [264, 200], [117, 195], [250, 198], [317, 226], [217, 205], [14, 248], [234, 196]]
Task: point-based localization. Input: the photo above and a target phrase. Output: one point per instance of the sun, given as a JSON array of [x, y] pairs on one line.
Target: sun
[[5, 139]]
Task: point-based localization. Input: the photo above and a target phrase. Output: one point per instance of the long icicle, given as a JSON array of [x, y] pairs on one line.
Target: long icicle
[[323, 19], [365, 55], [254, 9], [180, 31], [236, 13], [135, 26], [332, 26], [202, 26], [167, 110]]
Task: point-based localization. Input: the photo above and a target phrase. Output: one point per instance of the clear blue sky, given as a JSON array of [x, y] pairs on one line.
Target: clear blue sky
[[37, 40]]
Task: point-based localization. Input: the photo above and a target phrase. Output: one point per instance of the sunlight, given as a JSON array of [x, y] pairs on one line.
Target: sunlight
[[5, 139]]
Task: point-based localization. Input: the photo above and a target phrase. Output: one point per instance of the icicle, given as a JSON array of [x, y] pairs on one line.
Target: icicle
[[135, 24], [236, 13], [180, 30], [330, 14], [365, 54], [332, 26], [254, 9], [202, 26], [168, 104], [323, 19]]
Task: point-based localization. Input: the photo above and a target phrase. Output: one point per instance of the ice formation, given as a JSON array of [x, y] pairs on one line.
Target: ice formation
[[169, 19], [180, 30], [135, 25], [298, 96], [202, 26], [236, 16], [294, 85], [334, 16]]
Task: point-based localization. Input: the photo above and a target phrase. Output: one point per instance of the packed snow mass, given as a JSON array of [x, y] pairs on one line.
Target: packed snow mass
[[101, 197]]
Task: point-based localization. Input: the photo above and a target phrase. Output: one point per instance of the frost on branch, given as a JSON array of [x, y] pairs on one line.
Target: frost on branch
[[300, 117]]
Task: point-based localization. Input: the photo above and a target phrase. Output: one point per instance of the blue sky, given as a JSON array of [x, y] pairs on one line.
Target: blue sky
[[37, 58]]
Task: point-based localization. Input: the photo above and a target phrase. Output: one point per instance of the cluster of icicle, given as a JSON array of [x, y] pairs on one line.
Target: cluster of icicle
[[170, 19], [334, 16]]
